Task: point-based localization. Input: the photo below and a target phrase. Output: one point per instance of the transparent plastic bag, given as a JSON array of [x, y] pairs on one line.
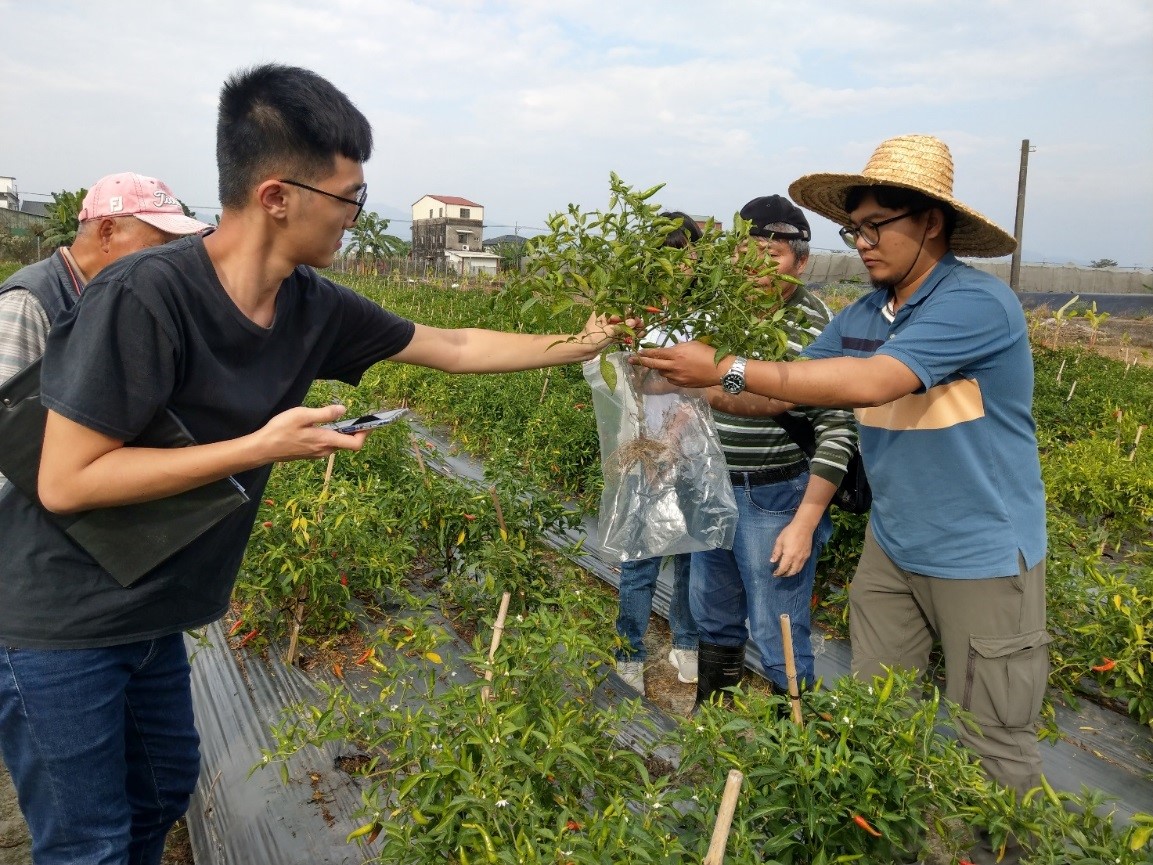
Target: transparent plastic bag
[[667, 488]]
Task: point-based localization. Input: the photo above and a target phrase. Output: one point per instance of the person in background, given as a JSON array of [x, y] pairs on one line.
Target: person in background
[[937, 363], [782, 497], [639, 577], [121, 214], [227, 332]]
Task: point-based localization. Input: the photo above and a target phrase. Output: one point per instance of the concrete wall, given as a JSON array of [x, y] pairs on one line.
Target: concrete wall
[[1071, 278]]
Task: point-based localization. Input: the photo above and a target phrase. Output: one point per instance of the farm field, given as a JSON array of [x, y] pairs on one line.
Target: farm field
[[349, 563], [371, 533]]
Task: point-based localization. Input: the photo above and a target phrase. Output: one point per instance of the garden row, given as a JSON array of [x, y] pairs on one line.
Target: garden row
[[538, 773], [1090, 414]]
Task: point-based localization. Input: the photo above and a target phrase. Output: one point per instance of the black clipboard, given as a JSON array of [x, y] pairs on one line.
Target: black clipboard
[[128, 540]]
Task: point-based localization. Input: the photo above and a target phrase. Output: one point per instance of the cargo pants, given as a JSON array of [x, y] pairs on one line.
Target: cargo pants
[[993, 638]]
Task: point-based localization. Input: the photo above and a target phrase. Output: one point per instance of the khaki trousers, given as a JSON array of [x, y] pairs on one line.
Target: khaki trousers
[[992, 634]]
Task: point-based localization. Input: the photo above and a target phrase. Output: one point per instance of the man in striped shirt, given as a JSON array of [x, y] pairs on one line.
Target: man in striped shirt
[[782, 497]]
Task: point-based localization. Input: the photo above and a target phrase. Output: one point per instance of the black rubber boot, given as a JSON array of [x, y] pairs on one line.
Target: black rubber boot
[[718, 667]]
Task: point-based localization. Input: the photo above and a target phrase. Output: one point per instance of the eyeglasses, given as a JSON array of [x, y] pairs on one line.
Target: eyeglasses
[[870, 232], [358, 202]]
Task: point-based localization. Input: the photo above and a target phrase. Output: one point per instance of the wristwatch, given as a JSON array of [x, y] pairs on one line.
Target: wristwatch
[[733, 381]]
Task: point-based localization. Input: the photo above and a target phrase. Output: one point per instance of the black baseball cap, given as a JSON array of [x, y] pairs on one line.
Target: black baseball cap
[[769, 209]]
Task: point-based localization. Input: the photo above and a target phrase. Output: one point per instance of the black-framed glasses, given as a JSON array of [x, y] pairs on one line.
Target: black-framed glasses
[[870, 232], [358, 202]]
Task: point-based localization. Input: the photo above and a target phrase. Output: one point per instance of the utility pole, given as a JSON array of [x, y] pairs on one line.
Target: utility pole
[[1019, 223]]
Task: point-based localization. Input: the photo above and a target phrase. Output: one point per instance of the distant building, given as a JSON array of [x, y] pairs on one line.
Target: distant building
[[504, 240], [16, 217], [9, 196], [449, 229]]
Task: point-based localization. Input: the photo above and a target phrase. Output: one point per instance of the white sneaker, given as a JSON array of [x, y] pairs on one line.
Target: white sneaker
[[633, 674], [685, 660]]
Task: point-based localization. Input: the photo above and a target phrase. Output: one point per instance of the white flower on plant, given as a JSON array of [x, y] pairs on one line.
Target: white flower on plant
[[700, 728], [519, 617], [502, 803]]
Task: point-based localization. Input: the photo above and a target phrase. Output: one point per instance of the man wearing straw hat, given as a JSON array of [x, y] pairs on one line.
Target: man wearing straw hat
[[936, 361]]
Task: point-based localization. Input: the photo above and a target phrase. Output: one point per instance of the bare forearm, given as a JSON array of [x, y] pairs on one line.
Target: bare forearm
[[815, 502], [839, 382], [474, 350], [745, 404], [81, 469], [128, 475]]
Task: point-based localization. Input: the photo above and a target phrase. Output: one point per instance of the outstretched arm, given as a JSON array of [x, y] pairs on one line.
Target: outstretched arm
[[475, 350], [848, 382]]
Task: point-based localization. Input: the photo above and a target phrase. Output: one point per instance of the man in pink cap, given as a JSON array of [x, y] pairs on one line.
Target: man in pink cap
[[122, 213]]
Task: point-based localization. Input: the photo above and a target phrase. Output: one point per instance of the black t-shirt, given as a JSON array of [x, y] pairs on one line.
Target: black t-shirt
[[156, 331]]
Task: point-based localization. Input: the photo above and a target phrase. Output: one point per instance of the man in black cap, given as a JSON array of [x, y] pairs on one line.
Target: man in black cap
[[782, 496]]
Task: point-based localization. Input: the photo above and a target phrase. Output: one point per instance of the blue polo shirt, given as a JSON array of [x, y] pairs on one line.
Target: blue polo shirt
[[954, 468]]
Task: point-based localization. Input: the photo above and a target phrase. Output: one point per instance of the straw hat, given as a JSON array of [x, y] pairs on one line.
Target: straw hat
[[919, 162]]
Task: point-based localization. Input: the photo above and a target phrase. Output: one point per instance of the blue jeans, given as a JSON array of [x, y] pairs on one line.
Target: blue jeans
[[638, 582], [101, 746], [732, 586]]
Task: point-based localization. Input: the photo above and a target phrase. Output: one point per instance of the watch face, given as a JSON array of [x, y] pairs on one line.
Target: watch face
[[732, 383]]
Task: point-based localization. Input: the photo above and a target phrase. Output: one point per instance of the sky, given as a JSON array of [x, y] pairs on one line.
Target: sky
[[526, 106]]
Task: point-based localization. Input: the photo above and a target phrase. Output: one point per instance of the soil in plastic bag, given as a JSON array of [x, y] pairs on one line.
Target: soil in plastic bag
[[667, 488]]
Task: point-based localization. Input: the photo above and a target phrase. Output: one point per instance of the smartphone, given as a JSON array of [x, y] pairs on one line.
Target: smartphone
[[366, 421]]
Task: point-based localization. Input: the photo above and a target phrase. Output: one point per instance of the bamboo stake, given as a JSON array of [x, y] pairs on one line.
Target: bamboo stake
[[1073, 388], [497, 631], [716, 852], [544, 388], [1061, 369], [791, 666], [302, 593], [1136, 441]]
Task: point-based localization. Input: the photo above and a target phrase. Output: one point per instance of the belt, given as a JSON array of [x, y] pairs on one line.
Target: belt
[[772, 475]]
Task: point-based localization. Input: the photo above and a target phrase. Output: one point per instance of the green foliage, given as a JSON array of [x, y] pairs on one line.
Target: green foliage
[[616, 263], [64, 217], [371, 243], [7, 268]]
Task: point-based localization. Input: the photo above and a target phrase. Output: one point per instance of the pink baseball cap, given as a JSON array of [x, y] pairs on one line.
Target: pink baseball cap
[[146, 198]]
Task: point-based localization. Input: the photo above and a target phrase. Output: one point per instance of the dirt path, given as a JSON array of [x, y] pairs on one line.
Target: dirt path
[[15, 845]]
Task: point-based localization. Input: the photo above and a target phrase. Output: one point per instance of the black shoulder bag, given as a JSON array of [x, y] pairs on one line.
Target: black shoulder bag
[[853, 495], [128, 540]]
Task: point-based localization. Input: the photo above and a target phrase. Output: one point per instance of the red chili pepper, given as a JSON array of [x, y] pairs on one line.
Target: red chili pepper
[[247, 637], [236, 626], [338, 671], [376, 827], [344, 579], [269, 502], [1105, 667], [579, 406], [469, 517], [365, 655], [267, 524], [573, 825], [652, 309], [864, 824]]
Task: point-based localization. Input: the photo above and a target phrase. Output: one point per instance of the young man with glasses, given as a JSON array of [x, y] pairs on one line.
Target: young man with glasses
[[227, 332], [938, 366]]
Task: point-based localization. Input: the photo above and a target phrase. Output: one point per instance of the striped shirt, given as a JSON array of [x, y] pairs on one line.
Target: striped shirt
[[24, 323], [752, 443]]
